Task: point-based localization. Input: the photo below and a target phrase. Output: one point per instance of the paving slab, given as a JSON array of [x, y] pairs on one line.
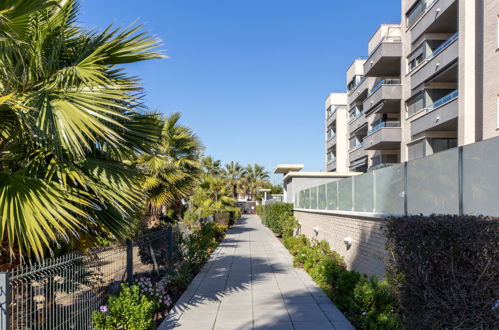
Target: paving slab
[[250, 283]]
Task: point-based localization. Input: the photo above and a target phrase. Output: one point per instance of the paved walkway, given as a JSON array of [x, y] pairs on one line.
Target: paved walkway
[[250, 283]]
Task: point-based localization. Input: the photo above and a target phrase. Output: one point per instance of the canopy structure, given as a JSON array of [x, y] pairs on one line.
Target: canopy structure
[[286, 168]]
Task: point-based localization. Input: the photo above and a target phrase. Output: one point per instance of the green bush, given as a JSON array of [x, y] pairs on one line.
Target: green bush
[[279, 218], [259, 210], [235, 214], [128, 310], [445, 270], [222, 218], [367, 302]]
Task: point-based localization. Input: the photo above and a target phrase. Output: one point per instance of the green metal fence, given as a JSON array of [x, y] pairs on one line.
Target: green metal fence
[[62, 292]]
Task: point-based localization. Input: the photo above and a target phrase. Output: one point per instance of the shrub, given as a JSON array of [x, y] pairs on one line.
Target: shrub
[[222, 218], [259, 210], [445, 270], [367, 302], [279, 218], [235, 214], [128, 310], [374, 305]]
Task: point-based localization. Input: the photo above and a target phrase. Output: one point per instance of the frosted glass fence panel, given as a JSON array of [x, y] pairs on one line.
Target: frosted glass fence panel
[[306, 199], [322, 197], [389, 190], [345, 194], [363, 192], [332, 195], [481, 178], [313, 198], [433, 184]]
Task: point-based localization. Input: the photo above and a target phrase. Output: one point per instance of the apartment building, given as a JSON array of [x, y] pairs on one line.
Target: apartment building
[[428, 84], [336, 132]]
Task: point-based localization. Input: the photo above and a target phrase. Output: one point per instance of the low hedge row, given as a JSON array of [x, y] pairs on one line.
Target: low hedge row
[[366, 301], [445, 270], [279, 218]]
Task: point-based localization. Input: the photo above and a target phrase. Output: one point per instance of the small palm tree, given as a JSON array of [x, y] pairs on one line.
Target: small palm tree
[[172, 168], [234, 172], [212, 167], [255, 177]]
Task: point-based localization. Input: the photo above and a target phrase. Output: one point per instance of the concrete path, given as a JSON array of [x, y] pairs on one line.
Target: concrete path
[[250, 283]]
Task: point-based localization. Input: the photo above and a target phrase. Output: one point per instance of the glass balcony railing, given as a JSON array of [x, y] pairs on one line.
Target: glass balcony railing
[[383, 82], [359, 145], [447, 98], [417, 11], [382, 124], [330, 135], [440, 48], [353, 85], [356, 115]]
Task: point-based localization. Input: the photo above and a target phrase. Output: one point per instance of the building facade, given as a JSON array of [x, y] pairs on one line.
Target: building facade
[[336, 133], [428, 84]]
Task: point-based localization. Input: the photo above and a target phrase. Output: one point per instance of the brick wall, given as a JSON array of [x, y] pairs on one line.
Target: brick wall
[[367, 251]]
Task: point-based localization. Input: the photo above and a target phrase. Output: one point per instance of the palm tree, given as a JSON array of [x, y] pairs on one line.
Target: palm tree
[[255, 177], [70, 120], [212, 166], [234, 172], [172, 168]]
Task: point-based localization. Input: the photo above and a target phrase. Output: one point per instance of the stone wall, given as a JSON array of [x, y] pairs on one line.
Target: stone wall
[[367, 251]]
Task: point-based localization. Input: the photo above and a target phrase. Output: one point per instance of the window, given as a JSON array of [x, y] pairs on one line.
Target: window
[[416, 150], [415, 103], [438, 145]]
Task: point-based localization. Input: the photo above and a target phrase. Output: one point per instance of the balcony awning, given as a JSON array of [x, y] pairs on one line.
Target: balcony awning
[[359, 162]]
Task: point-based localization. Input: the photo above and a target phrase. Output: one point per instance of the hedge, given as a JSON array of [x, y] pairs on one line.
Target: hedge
[[279, 218], [367, 302], [445, 270]]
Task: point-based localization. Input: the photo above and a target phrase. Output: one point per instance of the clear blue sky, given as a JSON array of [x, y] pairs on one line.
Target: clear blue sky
[[249, 76]]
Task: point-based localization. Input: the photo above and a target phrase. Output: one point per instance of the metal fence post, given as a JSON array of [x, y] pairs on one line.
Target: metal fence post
[[169, 242], [4, 300], [405, 188], [460, 174], [129, 261]]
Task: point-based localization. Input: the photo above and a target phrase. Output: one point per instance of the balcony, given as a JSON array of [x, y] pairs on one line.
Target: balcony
[[331, 165], [359, 92], [357, 153], [440, 116], [331, 141], [358, 124], [331, 117], [384, 97], [384, 136], [385, 59], [438, 16], [440, 59]]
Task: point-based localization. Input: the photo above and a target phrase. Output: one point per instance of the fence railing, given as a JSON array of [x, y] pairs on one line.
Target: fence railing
[[462, 180], [441, 101], [382, 83], [63, 292], [383, 124]]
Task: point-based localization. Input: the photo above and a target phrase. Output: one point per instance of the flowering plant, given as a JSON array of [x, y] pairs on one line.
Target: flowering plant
[[155, 291]]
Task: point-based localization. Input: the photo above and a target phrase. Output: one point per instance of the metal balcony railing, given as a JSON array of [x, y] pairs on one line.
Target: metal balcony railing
[[382, 124], [383, 82], [441, 101], [440, 48]]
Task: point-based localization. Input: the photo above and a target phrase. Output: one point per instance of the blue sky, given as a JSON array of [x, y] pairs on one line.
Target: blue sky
[[249, 76]]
